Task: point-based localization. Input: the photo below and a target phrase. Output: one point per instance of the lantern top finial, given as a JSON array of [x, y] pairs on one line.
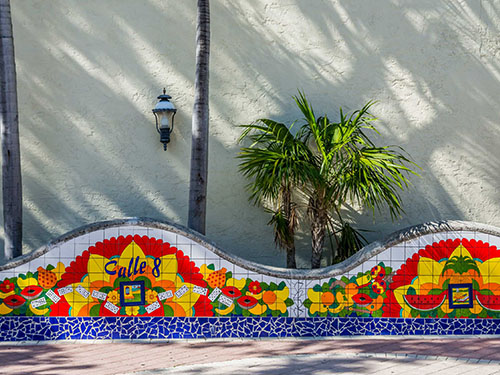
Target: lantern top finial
[[164, 97]]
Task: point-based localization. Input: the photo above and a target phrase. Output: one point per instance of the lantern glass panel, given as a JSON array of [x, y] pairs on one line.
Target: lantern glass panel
[[164, 119]]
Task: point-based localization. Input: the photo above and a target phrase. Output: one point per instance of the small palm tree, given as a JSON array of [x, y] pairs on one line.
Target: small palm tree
[[331, 164], [276, 162], [347, 167]]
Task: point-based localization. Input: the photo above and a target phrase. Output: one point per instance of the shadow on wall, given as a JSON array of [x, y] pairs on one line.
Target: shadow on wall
[[87, 84]]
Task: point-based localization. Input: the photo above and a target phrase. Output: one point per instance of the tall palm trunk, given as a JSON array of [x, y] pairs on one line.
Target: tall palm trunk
[[11, 159], [291, 218], [319, 220], [199, 141]]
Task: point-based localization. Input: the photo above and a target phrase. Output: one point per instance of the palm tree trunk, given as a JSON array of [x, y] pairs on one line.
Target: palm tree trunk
[[291, 218], [199, 141], [319, 220], [318, 240], [11, 159], [290, 257]]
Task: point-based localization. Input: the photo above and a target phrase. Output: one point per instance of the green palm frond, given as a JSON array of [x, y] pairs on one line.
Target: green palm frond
[[331, 163], [284, 226], [460, 264], [350, 241]]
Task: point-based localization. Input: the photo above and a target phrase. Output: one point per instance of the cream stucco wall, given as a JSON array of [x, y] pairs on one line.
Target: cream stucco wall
[[89, 73]]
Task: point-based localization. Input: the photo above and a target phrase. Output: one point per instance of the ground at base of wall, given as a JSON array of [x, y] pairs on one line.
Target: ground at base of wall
[[105, 328], [118, 357]]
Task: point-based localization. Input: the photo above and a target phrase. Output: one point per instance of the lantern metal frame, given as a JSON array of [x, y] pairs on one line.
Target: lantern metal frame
[[161, 107]]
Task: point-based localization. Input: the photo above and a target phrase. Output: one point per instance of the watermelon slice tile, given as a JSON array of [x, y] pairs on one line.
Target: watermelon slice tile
[[14, 302], [247, 302], [231, 292], [425, 302], [488, 302], [31, 292], [362, 299]]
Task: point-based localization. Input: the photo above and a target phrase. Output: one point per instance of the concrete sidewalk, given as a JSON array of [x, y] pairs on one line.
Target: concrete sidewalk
[[322, 364], [361, 355]]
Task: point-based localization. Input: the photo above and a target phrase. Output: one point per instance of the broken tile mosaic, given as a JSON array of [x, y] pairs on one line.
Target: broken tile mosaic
[[136, 285]]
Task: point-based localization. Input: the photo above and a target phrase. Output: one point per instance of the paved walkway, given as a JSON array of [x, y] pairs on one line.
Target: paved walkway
[[322, 364], [401, 355]]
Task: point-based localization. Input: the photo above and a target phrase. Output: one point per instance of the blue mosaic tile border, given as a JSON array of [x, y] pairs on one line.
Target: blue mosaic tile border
[[65, 328]]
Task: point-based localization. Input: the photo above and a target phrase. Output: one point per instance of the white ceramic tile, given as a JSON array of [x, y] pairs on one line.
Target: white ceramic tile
[[169, 237], [54, 252], [411, 250], [79, 248], [67, 249], [227, 265], [198, 251], [181, 240], [96, 236], [357, 269], [127, 230], [437, 237], [467, 234], [385, 256], [111, 232], [411, 243], [37, 262], [395, 265], [295, 286], [482, 237], [8, 274], [494, 241], [215, 261], [154, 233], [428, 239], [23, 268], [186, 249], [368, 265], [141, 231], [397, 253], [84, 240], [267, 279], [52, 261], [298, 293]]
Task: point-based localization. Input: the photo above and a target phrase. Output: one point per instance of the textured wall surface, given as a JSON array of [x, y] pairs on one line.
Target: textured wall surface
[[89, 73]]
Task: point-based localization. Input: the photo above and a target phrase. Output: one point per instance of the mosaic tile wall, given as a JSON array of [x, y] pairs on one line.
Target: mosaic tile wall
[[143, 282]]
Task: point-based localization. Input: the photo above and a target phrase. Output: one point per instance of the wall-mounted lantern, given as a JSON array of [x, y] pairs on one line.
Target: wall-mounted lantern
[[164, 112]]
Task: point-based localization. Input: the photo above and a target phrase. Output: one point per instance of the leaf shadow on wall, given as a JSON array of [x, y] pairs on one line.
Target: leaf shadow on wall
[[434, 71], [90, 151]]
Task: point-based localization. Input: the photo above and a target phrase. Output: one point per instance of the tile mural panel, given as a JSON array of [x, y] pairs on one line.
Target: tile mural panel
[[138, 275], [132, 276]]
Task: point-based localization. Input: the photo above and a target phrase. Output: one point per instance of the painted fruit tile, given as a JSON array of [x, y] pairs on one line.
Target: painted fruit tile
[[139, 277]]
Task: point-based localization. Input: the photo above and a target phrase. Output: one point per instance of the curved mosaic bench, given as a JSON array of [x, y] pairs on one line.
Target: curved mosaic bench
[[143, 279]]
